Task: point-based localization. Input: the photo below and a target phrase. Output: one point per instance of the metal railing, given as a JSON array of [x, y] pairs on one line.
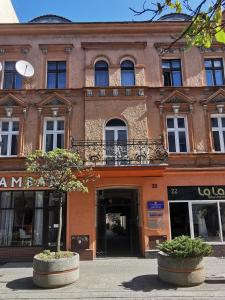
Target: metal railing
[[121, 153]]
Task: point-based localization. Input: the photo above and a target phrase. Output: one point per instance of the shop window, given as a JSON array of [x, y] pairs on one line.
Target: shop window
[[56, 75], [29, 218], [12, 79], [172, 72], [53, 133], [214, 71], [218, 132], [127, 73], [206, 221], [177, 134], [9, 137], [116, 142], [101, 73]]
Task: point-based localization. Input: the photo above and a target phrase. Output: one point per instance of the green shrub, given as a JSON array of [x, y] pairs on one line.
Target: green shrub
[[184, 246], [48, 255]]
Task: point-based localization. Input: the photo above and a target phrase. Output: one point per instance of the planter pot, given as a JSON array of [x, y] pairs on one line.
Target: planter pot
[[181, 271], [56, 272]]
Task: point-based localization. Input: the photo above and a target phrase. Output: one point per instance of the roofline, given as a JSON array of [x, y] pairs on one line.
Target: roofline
[[88, 28]]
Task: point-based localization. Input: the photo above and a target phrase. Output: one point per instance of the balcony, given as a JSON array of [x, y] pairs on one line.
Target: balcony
[[120, 153]]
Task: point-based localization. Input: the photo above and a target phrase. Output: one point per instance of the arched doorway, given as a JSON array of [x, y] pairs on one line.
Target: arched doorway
[[117, 223]]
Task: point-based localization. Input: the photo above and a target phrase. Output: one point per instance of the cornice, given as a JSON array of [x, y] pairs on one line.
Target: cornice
[[92, 28], [113, 45]]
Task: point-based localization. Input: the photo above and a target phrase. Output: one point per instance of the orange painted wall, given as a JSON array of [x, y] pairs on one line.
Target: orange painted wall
[[82, 207]]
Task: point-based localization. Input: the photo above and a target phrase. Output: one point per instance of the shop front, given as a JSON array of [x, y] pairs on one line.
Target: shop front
[[28, 223], [198, 211]]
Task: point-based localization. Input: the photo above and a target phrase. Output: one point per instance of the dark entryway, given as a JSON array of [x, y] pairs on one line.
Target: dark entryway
[[179, 219], [117, 223]]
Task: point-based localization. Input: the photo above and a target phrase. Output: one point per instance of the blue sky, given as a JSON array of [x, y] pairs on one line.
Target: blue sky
[[80, 10]]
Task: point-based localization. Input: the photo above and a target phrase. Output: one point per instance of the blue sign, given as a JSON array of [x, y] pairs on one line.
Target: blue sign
[[153, 205]]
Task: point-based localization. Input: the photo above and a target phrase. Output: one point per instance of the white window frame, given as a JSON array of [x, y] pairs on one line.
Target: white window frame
[[116, 130], [190, 211], [219, 129], [9, 133], [176, 131], [54, 131]]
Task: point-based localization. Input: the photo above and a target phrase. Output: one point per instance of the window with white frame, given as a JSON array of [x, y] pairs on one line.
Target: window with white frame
[[177, 134], [53, 133], [9, 137], [218, 132]]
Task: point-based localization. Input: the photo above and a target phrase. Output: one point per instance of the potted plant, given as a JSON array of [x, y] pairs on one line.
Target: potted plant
[[180, 261], [61, 171]]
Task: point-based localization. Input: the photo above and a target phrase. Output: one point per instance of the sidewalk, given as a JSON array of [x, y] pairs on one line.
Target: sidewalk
[[128, 278]]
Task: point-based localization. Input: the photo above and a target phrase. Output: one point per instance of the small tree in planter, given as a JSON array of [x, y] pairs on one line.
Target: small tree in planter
[[62, 171], [180, 261]]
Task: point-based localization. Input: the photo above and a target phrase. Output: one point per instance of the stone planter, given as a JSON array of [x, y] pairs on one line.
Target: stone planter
[[56, 272], [181, 271]]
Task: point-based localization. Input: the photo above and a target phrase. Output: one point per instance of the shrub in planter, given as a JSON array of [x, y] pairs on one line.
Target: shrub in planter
[[180, 261]]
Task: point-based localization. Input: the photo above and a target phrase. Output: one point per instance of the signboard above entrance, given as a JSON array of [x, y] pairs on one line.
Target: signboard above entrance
[[179, 193]]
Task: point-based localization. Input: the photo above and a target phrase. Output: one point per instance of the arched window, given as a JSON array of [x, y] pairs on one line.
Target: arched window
[[127, 73], [116, 142], [101, 73]]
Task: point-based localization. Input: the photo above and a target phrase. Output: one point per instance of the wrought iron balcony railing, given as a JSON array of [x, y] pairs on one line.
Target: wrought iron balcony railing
[[121, 153]]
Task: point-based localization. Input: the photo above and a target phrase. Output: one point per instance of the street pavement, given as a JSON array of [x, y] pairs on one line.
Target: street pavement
[[113, 278]]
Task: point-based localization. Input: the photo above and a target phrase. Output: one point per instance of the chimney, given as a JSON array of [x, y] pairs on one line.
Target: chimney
[[7, 12]]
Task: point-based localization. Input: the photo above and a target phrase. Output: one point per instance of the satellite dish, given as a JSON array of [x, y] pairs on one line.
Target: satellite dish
[[0, 66], [24, 68]]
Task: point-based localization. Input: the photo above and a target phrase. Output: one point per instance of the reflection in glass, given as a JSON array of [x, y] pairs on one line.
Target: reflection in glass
[[222, 214], [206, 222]]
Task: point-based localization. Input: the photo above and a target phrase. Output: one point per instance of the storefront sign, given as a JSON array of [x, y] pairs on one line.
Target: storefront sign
[[196, 193], [152, 205], [20, 182]]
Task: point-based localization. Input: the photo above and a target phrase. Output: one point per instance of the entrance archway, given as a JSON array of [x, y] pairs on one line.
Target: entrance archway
[[117, 223]]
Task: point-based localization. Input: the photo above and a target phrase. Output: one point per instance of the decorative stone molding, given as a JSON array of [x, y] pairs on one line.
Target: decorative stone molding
[[11, 105], [213, 48], [55, 105], [24, 49], [165, 48], [176, 102], [113, 45], [215, 102], [45, 48]]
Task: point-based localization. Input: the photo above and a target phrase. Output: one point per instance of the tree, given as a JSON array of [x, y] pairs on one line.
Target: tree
[[206, 20], [62, 171]]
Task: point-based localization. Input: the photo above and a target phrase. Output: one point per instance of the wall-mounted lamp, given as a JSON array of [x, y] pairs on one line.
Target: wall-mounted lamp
[[220, 108], [9, 111], [176, 108]]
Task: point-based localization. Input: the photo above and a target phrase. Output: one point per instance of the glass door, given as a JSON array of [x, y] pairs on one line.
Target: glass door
[[116, 146]]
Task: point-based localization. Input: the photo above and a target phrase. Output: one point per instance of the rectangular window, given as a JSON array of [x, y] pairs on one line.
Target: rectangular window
[[172, 72], [9, 137], [218, 132], [53, 133], [29, 218], [56, 75], [12, 79], [214, 71], [177, 134]]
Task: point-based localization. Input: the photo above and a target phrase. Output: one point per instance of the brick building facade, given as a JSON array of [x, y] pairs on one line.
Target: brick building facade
[[111, 92]]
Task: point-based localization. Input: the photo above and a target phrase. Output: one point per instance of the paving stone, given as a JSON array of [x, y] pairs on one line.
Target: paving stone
[[128, 278]]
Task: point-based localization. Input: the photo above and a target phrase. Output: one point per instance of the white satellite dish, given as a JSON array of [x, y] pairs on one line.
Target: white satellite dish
[[24, 68], [0, 66]]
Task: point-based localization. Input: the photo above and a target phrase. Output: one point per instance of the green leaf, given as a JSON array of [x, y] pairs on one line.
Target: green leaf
[[220, 36]]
